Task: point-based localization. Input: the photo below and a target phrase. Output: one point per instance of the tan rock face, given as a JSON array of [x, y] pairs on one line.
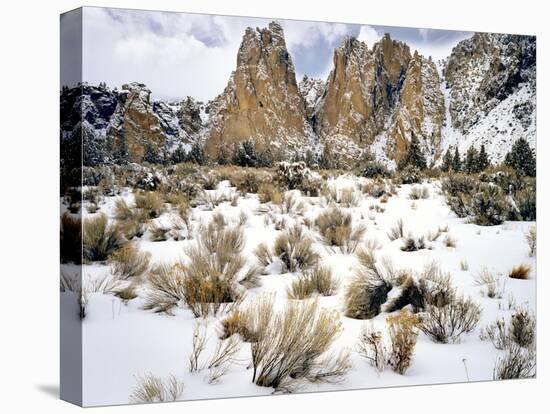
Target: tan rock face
[[362, 89], [419, 112], [138, 132], [261, 101]]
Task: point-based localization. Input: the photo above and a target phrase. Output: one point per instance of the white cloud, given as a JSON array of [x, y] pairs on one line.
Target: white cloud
[[369, 35]]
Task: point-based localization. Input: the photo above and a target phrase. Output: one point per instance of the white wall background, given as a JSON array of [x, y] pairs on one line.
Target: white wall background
[[29, 72]]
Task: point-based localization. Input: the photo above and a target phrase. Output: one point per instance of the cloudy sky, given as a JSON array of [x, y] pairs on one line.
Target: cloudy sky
[[177, 54]]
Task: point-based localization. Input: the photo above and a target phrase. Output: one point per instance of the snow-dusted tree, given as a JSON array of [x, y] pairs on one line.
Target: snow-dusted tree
[[179, 155], [483, 159], [414, 156], [470, 163], [447, 161], [457, 162], [522, 159], [196, 154]]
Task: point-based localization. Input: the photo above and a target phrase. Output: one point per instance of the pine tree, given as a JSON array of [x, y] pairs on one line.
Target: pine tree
[[447, 161], [414, 156], [522, 159], [179, 155], [483, 159], [457, 163], [196, 154], [470, 164]]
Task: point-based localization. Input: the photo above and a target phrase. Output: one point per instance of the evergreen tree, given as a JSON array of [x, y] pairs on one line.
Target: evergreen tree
[[196, 154], [522, 159], [447, 161], [246, 156], [483, 159], [470, 163], [457, 163], [151, 155], [179, 155], [414, 156]]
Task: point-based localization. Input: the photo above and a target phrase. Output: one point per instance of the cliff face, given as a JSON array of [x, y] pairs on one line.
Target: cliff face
[[419, 112], [374, 99], [261, 101], [491, 84]]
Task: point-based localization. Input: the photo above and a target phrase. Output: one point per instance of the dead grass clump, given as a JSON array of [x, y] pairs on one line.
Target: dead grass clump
[[490, 283], [295, 249], [349, 197], [337, 230], [412, 244], [317, 280], [126, 294], [236, 323], [291, 346], [151, 389], [129, 261], [449, 241], [521, 272], [397, 231], [464, 266], [263, 254], [447, 323], [150, 203], [71, 239], [419, 192], [122, 211], [269, 193], [158, 233], [99, 239], [531, 237], [165, 288]]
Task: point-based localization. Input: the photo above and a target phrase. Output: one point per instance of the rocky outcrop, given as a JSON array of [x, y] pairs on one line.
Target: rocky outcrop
[[491, 83], [312, 91], [362, 89], [419, 112], [261, 101]]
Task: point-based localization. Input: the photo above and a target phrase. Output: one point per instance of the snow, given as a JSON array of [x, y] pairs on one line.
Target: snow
[[122, 341]]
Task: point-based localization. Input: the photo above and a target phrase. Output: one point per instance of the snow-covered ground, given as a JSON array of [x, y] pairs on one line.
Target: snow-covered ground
[[123, 341]]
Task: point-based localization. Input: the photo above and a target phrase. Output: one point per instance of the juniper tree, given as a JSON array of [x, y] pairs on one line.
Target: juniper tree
[[196, 154], [457, 163], [414, 156], [470, 164], [522, 159], [482, 159], [447, 161]]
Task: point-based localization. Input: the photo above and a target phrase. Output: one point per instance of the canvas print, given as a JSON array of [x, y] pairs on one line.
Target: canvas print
[[255, 206]]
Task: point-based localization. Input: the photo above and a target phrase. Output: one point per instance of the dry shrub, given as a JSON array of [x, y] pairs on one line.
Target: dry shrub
[[490, 283], [419, 192], [236, 322], [531, 237], [522, 328], [150, 203], [122, 211], [368, 289], [412, 244], [151, 389], [521, 272], [498, 333], [464, 266], [198, 345], [99, 239], [336, 227], [397, 231], [129, 261], [224, 354], [158, 233], [517, 363], [403, 330], [295, 249], [449, 241], [317, 280], [291, 346], [372, 347], [165, 288], [127, 293], [263, 254], [71, 239], [349, 197], [269, 193], [447, 323]]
